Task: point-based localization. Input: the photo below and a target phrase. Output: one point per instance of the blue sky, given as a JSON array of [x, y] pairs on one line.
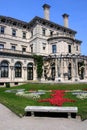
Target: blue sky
[[27, 9]]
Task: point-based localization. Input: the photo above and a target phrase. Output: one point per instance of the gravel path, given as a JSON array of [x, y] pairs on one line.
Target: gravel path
[[9, 121]]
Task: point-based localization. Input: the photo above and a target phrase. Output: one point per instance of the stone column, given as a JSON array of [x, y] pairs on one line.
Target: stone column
[[66, 69], [76, 70], [59, 71], [56, 69], [61, 68], [11, 73], [85, 76], [73, 70], [43, 78], [34, 72], [24, 73]]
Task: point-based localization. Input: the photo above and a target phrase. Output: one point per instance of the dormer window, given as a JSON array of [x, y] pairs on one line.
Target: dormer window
[[14, 32], [2, 30]]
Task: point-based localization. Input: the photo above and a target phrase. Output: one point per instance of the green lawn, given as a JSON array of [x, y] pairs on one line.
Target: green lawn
[[17, 103]]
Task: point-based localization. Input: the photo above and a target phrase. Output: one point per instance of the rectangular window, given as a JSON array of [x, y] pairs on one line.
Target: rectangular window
[[2, 30], [24, 49], [51, 33], [76, 48], [24, 35], [53, 48], [69, 48], [32, 33], [13, 48], [13, 32], [1, 46], [31, 46], [44, 46], [43, 31]]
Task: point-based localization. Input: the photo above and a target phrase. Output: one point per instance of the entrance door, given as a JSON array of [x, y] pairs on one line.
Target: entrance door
[[30, 71]]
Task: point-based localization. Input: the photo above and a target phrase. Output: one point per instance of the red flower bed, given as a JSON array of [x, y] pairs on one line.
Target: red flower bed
[[57, 98]]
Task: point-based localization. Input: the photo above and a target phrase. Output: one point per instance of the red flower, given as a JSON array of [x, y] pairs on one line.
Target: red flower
[[57, 98]]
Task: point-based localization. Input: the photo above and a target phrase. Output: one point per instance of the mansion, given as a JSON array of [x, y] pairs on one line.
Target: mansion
[[61, 52]]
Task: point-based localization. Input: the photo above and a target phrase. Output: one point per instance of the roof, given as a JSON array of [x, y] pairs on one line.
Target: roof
[[34, 21], [50, 23]]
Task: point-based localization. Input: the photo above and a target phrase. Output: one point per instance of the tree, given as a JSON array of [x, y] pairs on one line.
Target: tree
[[39, 62]]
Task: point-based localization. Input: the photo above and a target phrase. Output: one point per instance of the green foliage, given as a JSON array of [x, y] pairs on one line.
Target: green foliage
[[7, 85], [39, 63]]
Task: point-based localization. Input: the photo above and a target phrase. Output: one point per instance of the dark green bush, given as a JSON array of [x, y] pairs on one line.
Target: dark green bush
[[7, 85]]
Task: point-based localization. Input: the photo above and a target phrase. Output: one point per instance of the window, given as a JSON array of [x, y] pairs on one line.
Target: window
[[24, 35], [24, 49], [76, 48], [31, 46], [69, 48], [30, 71], [1, 46], [13, 32], [51, 33], [4, 69], [32, 33], [53, 48], [13, 48], [44, 46], [18, 70], [43, 31], [2, 30]]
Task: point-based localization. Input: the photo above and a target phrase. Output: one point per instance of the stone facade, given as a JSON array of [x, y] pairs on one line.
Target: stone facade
[[20, 40]]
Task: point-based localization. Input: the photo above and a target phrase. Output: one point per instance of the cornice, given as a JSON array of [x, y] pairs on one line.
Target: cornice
[[50, 24], [33, 22]]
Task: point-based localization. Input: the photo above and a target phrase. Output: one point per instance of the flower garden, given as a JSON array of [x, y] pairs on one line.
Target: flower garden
[[17, 98]]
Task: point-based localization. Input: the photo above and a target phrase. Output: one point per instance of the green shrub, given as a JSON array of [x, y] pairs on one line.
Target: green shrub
[[7, 85]]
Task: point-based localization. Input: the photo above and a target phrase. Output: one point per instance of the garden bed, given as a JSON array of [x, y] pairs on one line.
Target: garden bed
[[17, 103]]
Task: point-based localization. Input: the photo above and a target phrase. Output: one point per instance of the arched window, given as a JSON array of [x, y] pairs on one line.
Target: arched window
[[4, 69], [30, 71], [18, 70]]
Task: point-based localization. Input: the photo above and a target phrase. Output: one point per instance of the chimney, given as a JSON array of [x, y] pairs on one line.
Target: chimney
[[46, 8], [65, 17]]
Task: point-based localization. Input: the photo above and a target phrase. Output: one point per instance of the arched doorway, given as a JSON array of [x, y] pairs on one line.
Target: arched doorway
[[53, 71], [30, 71], [4, 69], [69, 72]]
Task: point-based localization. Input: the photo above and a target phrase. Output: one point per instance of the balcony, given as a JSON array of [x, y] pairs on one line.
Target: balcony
[[66, 35], [9, 52]]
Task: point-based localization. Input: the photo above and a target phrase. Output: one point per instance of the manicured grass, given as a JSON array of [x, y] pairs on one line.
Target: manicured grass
[[17, 103]]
